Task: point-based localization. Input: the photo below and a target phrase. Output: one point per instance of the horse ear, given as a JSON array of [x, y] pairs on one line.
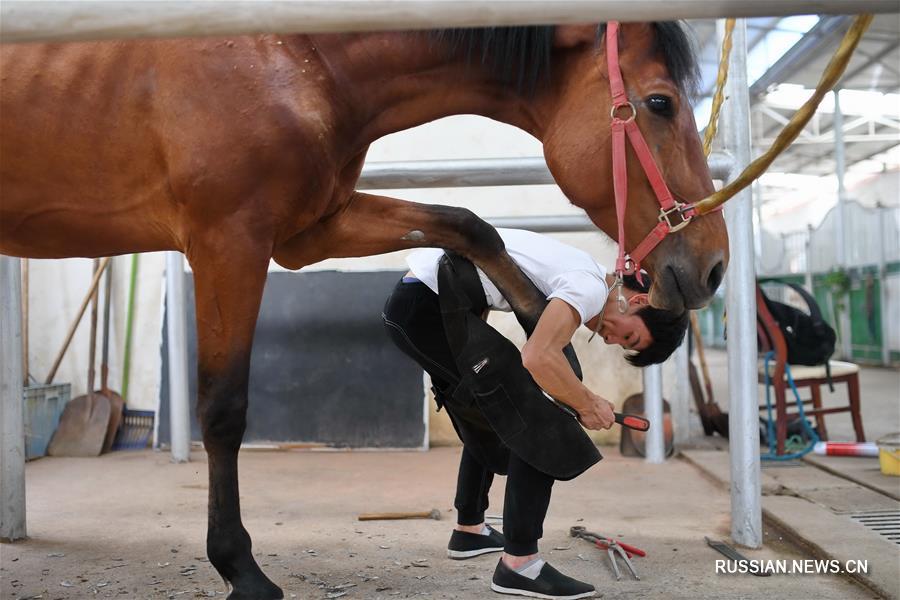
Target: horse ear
[[569, 36]]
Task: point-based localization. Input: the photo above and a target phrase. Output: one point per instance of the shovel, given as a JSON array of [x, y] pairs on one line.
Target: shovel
[[116, 403], [632, 441], [85, 420]]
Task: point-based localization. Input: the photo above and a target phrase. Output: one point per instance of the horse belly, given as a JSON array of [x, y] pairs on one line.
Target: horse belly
[[77, 177]]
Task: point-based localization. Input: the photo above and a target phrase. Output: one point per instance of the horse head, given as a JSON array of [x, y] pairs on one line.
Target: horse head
[[659, 70]]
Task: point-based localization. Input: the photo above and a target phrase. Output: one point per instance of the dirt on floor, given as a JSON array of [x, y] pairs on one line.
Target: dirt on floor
[[132, 524]]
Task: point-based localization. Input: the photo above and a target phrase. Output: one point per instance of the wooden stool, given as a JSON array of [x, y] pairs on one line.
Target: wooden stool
[[804, 376]]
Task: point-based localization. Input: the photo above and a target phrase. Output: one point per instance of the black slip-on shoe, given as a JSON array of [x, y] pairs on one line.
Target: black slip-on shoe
[[550, 584], [465, 545]]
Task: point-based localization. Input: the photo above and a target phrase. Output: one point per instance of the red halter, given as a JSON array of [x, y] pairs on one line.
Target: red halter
[[673, 215]]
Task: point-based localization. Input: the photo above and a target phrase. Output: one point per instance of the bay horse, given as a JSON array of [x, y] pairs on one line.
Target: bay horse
[[239, 150]]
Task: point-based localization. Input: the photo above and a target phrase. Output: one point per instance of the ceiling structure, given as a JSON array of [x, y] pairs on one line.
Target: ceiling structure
[[786, 54]]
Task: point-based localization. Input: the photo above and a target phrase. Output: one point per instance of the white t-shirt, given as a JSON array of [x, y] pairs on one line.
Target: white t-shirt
[[558, 270]]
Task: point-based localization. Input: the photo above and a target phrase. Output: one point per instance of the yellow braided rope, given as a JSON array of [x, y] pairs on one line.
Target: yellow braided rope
[[708, 136], [719, 96], [830, 77]]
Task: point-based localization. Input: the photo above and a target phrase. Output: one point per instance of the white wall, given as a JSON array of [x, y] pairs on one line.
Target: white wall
[[464, 136], [57, 288]]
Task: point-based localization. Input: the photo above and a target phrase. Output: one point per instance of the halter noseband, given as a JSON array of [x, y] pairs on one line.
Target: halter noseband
[[673, 215]]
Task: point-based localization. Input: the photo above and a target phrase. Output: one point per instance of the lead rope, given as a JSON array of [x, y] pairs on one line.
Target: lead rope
[[799, 450], [832, 74], [719, 97]]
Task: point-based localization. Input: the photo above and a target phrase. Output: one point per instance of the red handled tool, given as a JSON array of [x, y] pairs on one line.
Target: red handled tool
[[630, 550], [632, 422], [613, 548]]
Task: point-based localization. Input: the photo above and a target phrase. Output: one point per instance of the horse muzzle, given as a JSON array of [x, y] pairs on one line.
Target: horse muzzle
[[679, 285]]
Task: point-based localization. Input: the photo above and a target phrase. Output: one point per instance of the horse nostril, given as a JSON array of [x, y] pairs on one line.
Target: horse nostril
[[715, 276]]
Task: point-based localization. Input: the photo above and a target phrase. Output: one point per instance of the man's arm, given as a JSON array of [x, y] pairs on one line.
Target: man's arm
[[543, 356]]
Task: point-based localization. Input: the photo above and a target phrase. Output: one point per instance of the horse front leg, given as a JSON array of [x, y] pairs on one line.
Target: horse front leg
[[374, 224], [228, 278]]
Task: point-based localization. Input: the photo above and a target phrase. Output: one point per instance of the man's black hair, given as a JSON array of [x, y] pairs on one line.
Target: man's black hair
[[667, 327]]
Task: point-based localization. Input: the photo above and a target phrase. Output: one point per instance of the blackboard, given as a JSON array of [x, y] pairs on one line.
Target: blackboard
[[323, 370]]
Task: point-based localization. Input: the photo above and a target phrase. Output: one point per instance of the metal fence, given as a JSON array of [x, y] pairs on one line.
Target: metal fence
[[861, 299]]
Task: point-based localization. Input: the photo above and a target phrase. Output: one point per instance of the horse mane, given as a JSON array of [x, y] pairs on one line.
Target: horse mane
[[520, 56], [678, 48]]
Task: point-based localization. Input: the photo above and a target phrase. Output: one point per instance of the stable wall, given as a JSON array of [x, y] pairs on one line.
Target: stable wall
[[57, 288]]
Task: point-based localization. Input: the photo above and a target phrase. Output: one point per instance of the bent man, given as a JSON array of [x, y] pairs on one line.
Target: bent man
[[578, 291]]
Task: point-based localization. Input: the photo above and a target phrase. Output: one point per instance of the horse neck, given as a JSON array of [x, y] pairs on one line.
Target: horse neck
[[394, 81]]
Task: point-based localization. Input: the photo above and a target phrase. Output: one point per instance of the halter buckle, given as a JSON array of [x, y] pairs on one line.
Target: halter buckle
[[616, 107], [679, 209], [621, 300]]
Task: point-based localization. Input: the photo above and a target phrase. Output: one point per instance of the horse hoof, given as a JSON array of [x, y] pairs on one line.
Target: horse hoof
[[274, 594], [259, 590]]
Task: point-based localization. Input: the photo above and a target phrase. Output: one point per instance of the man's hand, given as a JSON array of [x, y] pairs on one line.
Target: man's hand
[[543, 356], [598, 414]]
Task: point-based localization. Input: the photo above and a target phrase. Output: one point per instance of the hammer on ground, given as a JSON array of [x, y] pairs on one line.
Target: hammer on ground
[[394, 516]]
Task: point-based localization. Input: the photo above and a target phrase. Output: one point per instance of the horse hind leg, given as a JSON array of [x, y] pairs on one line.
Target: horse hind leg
[[373, 224], [229, 284]]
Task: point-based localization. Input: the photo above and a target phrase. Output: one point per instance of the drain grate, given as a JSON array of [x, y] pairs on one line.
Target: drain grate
[[885, 523]]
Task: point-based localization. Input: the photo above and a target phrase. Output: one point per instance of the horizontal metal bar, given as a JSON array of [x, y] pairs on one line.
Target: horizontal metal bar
[[54, 20], [827, 139], [455, 173], [548, 224], [530, 170]]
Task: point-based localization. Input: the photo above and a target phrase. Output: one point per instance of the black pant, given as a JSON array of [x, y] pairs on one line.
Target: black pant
[[412, 317]]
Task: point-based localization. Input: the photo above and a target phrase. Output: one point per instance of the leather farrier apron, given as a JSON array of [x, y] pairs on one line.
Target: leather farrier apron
[[496, 389]]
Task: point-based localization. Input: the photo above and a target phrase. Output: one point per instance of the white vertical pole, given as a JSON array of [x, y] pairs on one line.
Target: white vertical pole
[[179, 405], [843, 258], [807, 248], [882, 287], [12, 418], [840, 168], [757, 225], [740, 299], [681, 396], [653, 408]]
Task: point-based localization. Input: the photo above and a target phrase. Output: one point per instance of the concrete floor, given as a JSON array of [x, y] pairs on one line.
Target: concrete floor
[[132, 524], [821, 511]]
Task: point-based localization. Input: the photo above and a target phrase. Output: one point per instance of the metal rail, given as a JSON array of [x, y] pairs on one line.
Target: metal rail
[[12, 423], [176, 332], [29, 21], [530, 170], [546, 224], [654, 441]]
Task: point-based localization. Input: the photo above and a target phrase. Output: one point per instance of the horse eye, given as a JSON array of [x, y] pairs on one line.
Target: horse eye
[[661, 105]]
